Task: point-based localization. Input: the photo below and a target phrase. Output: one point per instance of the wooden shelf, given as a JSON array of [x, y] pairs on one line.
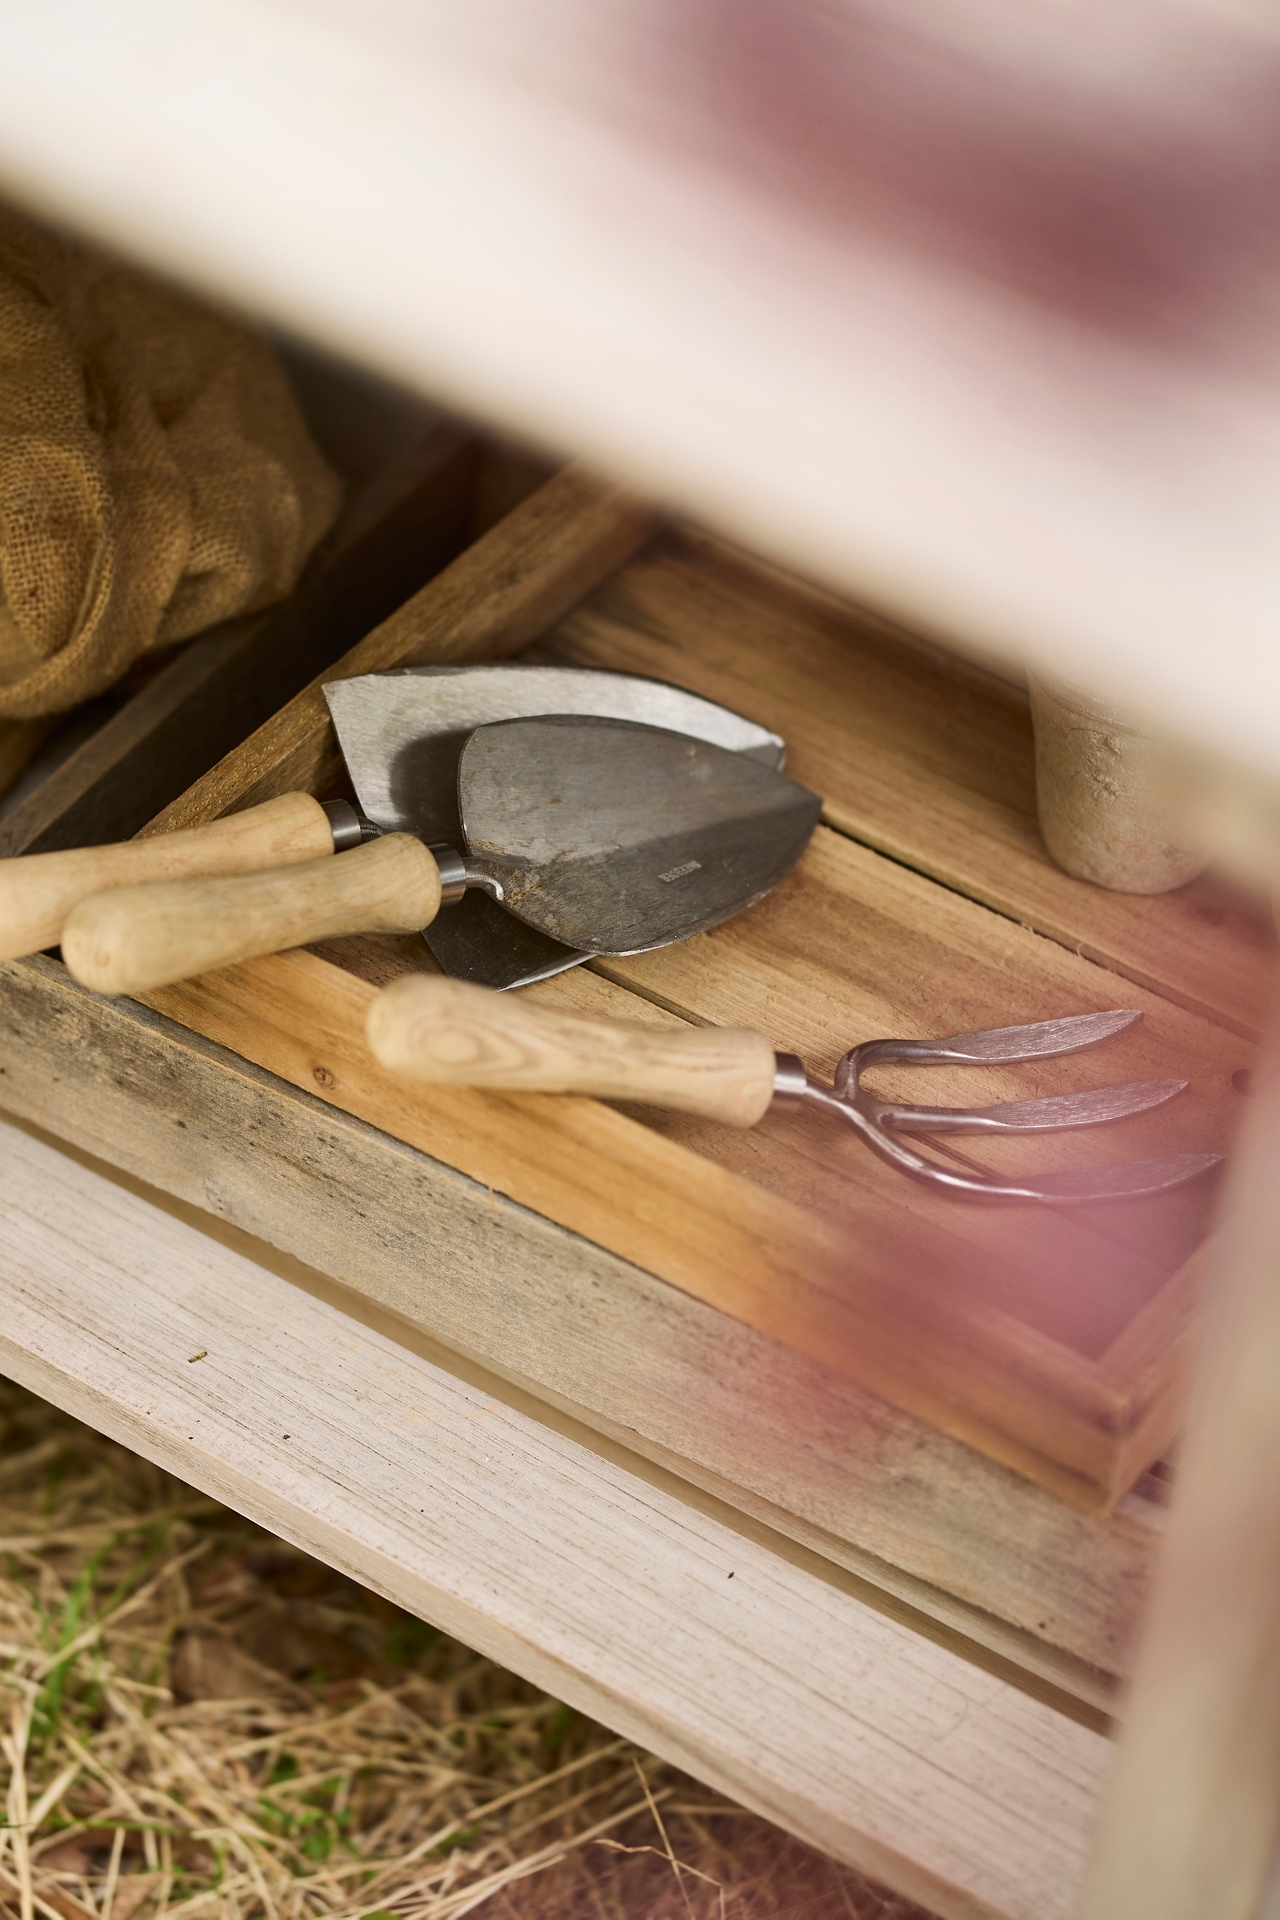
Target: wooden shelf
[[658, 1610]]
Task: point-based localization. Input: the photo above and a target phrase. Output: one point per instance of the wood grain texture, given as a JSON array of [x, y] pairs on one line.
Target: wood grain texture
[[782, 1438], [135, 938], [785, 1689], [404, 522], [448, 1033], [916, 756], [39, 890], [496, 598]]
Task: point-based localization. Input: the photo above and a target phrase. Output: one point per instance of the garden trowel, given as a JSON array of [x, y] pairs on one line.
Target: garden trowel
[[401, 734], [602, 834]]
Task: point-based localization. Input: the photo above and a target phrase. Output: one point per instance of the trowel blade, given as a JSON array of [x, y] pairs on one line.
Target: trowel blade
[[613, 837], [401, 734]]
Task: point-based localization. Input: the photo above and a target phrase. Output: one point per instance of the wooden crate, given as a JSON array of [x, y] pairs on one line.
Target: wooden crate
[[721, 1300]]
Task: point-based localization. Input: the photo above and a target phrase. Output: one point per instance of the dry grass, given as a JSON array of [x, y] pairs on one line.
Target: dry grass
[[199, 1720]]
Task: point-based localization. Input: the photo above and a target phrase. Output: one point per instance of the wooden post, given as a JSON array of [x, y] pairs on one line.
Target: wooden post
[[1189, 1822]]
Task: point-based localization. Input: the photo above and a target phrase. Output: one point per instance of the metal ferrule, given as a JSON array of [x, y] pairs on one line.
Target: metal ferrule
[[453, 873], [457, 873], [349, 828], [790, 1081]]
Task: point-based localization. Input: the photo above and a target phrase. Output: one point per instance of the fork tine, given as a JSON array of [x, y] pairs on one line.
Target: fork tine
[[1039, 1041], [1089, 1109], [1133, 1181], [882, 1123], [989, 1046]]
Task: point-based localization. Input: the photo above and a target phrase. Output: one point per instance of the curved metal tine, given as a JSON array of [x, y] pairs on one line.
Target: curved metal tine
[[1039, 1041], [1134, 1180], [1090, 1109]]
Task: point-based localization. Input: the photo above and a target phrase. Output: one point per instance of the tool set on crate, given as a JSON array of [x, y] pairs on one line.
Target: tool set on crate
[[557, 813]]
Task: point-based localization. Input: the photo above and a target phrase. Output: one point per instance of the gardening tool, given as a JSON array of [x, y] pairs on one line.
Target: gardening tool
[[605, 835], [449, 1033], [402, 732]]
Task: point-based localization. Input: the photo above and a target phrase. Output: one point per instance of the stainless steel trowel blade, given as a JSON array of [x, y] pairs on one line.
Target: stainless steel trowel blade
[[401, 734], [614, 838]]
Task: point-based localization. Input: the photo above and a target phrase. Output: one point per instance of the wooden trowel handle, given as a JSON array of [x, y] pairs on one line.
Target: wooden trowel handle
[[38, 890], [454, 1034], [138, 938]]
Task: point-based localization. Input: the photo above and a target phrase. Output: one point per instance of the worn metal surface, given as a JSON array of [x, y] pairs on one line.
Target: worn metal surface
[[616, 838], [401, 734]]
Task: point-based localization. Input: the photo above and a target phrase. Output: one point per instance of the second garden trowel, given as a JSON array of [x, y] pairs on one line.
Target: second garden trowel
[[402, 733], [604, 835]]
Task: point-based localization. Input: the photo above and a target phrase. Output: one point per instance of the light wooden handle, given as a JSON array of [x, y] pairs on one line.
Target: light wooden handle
[[454, 1034], [38, 890], [138, 938]]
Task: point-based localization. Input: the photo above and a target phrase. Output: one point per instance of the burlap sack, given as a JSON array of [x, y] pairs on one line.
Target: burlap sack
[[156, 475]]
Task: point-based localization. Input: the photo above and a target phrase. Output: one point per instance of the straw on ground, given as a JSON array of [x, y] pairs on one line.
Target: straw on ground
[[202, 1721]]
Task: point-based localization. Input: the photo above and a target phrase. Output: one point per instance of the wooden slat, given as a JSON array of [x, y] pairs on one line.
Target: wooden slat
[[496, 597], [657, 1613], [915, 756], [782, 1438]]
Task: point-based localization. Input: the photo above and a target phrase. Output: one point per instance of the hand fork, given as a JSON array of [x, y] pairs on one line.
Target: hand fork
[[450, 1033]]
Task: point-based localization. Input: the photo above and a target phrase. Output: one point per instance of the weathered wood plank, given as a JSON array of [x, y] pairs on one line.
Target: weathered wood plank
[[783, 1438], [918, 757], [655, 1612], [495, 598]]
